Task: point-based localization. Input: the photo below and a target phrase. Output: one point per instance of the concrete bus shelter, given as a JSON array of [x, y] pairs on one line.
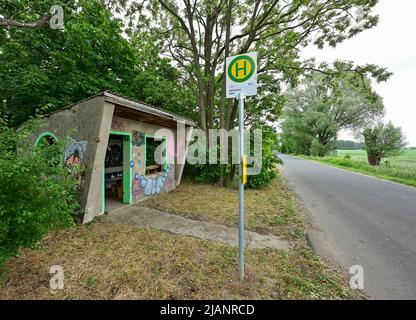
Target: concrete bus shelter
[[113, 137]]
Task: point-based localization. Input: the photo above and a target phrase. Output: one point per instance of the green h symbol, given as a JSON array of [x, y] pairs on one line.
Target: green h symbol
[[243, 68]]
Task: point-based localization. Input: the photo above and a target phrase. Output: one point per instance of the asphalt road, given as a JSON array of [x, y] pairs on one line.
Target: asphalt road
[[360, 220]]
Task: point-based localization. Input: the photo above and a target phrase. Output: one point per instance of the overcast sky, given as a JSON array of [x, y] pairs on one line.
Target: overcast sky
[[391, 44]]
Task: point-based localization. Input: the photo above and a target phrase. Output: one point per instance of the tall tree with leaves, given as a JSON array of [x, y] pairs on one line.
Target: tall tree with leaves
[[43, 69], [317, 110], [199, 34]]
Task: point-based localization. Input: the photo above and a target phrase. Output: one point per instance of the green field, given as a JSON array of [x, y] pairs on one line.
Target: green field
[[407, 158], [401, 168]]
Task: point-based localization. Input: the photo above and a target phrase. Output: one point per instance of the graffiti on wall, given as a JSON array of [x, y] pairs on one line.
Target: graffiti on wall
[[138, 138], [116, 125], [135, 188], [156, 184], [75, 152]]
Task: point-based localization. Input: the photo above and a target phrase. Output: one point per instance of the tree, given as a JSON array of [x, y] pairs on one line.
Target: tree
[[349, 145], [43, 69], [319, 109], [382, 141], [198, 36], [25, 14], [293, 140]]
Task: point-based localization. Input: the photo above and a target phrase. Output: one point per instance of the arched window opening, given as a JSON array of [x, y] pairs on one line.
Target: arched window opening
[[46, 145], [46, 139]]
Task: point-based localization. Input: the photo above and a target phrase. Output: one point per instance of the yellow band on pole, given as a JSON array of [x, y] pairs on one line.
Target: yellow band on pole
[[244, 169]]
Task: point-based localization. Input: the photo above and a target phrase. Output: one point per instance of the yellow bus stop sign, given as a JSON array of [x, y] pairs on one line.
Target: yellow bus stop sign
[[241, 75], [241, 68]]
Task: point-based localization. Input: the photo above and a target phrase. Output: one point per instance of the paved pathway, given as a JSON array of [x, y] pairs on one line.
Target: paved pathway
[[151, 218]]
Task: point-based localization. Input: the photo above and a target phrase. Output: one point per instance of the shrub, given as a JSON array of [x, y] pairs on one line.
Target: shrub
[[347, 156], [269, 162], [37, 194], [203, 173], [210, 173], [319, 150], [267, 174]]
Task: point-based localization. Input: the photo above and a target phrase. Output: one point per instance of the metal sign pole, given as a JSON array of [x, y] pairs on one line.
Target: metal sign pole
[[241, 77], [241, 186]]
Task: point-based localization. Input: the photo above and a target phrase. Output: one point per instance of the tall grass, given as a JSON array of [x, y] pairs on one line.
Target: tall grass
[[400, 169]]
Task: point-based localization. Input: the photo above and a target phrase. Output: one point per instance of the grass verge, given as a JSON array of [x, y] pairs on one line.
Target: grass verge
[[270, 210], [404, 174], [106, 261]]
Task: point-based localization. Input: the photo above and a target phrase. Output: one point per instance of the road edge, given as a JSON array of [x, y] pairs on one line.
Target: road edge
[[319, 241]]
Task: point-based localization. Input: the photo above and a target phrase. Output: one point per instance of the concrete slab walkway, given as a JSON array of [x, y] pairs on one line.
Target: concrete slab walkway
[[151, 218]]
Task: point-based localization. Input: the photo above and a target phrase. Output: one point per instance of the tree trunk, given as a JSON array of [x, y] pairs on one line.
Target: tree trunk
[[232, 114], [223, 168], [232, 172], [209, 90], [373, 159], [373, 155], [202, 114]]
